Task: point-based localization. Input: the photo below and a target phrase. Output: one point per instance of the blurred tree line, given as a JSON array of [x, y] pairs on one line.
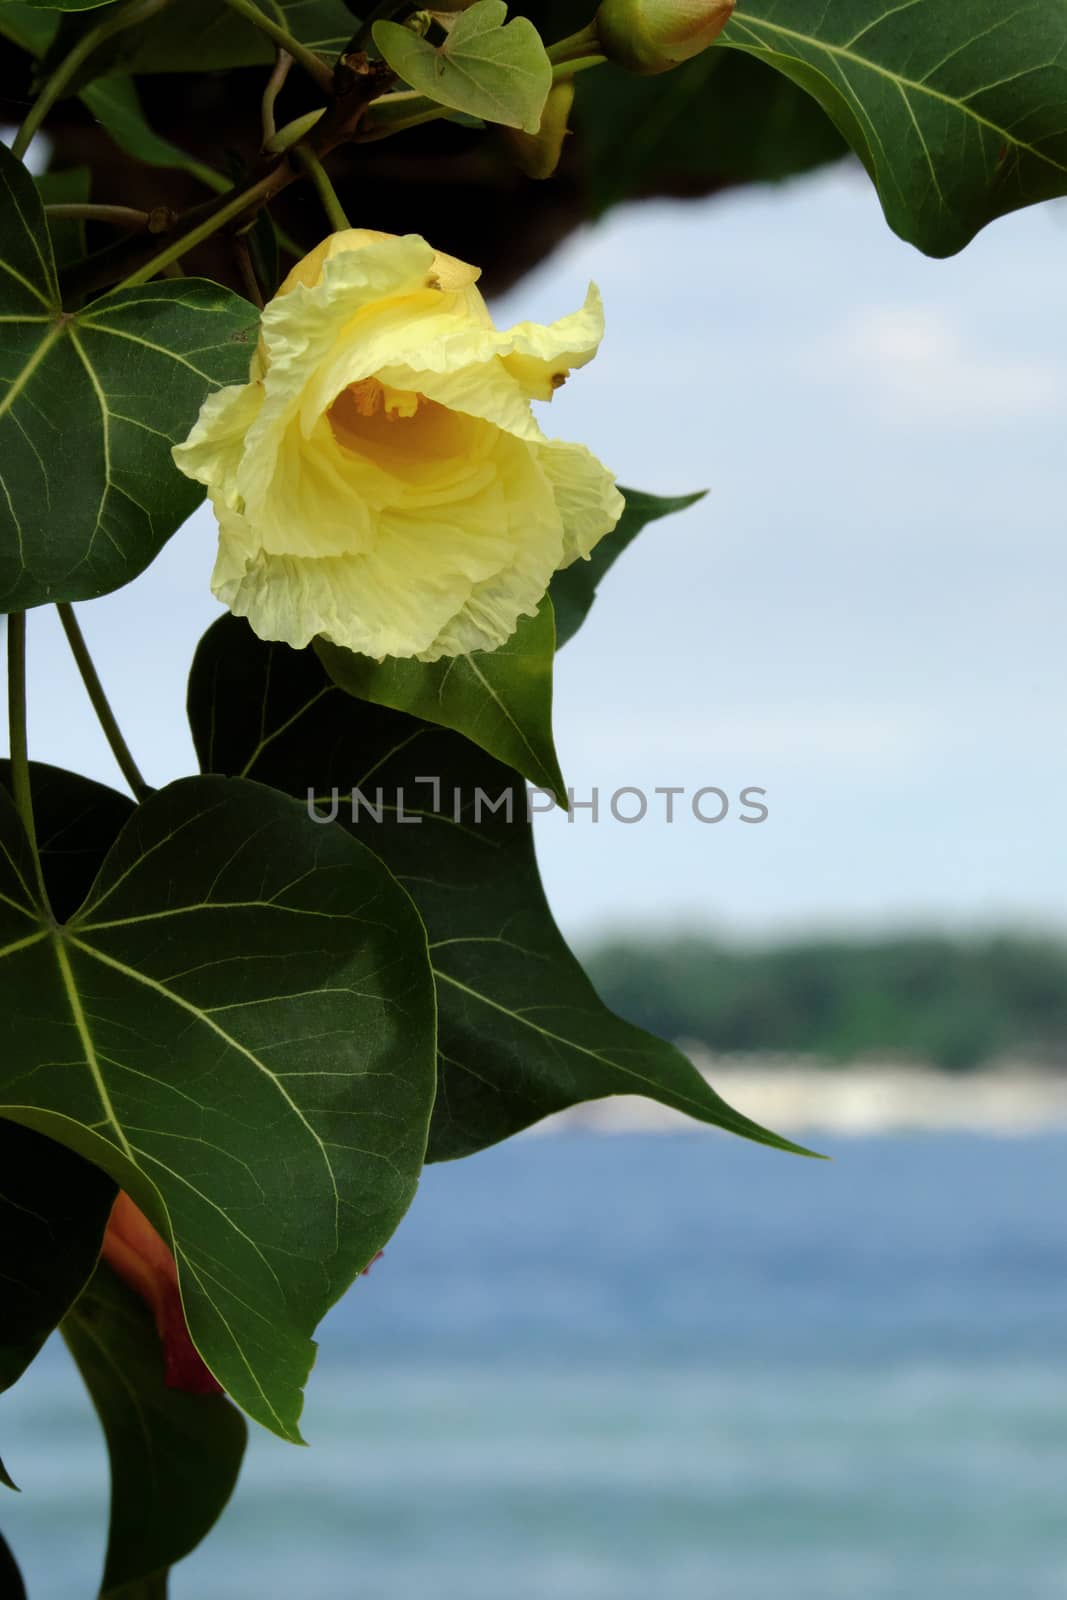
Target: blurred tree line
[[951, 1002]]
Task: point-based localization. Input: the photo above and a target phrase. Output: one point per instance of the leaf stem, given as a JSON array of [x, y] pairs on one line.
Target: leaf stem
[[20, 759], [218, 217], [384, 10], [124, 16], [271, 91], [337, 124], [562, 70], [95, 690], [247, 270], [576, 47], [325, 190], [392, 113], [311, 63], [121, 216]]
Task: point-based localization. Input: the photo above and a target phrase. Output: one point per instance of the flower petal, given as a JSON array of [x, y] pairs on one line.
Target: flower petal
[[540, 358], [486, 559], [589, 503], [212, 453]]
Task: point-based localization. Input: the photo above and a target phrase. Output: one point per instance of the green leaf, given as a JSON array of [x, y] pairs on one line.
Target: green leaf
[[488, 68], [65, 5], [238, 1026], [500, 699], [722, 119], [958, 112], [54, 1208], [11, 1584], [574, 589], [201, 35], [77, 822], [174, 1456], [9, 1483], [54, 1205], [94, 401], [27, 26], [115, 102], [69, 187], [522, 1032]]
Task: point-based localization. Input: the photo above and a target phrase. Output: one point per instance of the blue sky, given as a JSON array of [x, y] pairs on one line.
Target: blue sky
[[865, 617]]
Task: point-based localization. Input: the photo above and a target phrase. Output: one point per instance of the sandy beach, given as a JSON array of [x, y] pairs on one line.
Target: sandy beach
[[797, 1096]]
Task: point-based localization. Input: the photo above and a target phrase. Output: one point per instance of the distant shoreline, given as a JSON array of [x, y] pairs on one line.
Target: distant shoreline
[[796, 1097]]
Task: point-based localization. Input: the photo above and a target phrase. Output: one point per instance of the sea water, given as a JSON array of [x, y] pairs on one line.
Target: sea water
[[642, 1366]]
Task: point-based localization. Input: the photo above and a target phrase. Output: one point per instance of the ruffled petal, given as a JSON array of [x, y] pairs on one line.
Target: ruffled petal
[[540, 358], [433, 582], [382, 481], [589, 504], [212, 453]]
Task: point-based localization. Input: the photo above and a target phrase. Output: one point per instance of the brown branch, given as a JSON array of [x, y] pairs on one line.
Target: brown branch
[[337, 126]]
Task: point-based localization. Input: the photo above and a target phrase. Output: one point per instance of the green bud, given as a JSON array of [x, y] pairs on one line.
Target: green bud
[[538, 153], [650, 36]]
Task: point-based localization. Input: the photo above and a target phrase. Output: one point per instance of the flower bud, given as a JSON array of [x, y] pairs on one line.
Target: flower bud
[[142, 1259], [538, 153], [649, 36]]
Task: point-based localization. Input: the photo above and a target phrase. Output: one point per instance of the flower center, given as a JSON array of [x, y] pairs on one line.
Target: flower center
[[401, 429], [371, 398]]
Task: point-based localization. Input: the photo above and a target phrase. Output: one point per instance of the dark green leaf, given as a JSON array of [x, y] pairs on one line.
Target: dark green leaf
[[54, 1208], [487, 67], [115, 102], [500, 699], [77, 822], [65, 5], [11, 1584], [174, 1456], [203, 34], [9, 1483], [69, 187], [28, 26], [958, 112], [238, 1026], [522, 1032], [722, 119], [53, 1205], [94, 401], [574, 589], [75, 26]]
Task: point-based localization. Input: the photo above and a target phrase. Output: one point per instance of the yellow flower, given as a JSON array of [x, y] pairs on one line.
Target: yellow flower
[[381, 480]]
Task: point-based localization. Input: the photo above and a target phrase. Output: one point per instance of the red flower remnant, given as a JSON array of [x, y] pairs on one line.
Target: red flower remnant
[[139, 1255]]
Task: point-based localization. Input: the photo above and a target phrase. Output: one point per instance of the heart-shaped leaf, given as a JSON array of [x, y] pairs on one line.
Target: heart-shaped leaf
[[94, 400], [957, 111], [53, 1211], [522, 1032], [53, 1204], [238, 1026], [487, 67], [574, 589], [174, 1456], [500, 699]]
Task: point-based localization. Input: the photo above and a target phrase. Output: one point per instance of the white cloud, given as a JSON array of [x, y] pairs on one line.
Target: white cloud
[[919, 366]]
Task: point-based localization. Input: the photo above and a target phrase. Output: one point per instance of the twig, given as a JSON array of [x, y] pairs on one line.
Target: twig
[[273, 88], [311, 63]]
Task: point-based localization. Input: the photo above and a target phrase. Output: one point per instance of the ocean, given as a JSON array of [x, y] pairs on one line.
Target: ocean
[[650, 1367]]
